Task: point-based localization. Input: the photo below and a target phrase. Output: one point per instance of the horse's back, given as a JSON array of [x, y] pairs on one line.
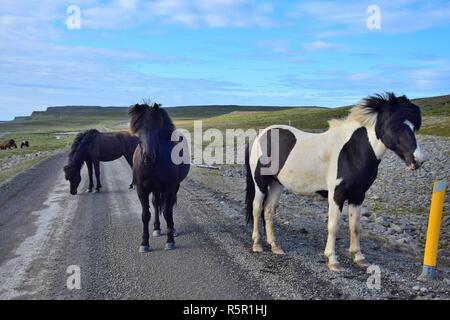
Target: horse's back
[[303, 158]]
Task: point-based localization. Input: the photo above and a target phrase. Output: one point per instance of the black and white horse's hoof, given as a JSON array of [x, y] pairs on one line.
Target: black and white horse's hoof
[[277, 250], [335, 267], [157, 233], [257, 248], [170, 246], [363, 264], [144, 249]]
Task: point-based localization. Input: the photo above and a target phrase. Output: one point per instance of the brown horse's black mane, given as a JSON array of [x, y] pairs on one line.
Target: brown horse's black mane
[[151, 118], [77, 151]]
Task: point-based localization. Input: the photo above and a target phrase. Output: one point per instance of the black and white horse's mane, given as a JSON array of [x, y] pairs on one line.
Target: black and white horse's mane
[[378, 106], [76, 155], [151, 117]]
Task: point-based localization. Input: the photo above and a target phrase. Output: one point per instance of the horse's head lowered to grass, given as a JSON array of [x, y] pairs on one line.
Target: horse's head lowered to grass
[[396, 120], [76, 159], [151, 123]]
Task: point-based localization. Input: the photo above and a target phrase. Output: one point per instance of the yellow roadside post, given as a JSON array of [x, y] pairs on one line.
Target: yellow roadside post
[[434, 229]]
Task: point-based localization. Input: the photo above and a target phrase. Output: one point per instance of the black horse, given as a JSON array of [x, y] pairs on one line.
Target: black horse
[[92, 147], [155, 169], [24, 144]]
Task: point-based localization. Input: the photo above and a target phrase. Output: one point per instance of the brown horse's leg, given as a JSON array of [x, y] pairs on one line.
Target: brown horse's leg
[[169, 202], [91, 178], [157, 224], [97, 174], [130, 162], [144, 198]]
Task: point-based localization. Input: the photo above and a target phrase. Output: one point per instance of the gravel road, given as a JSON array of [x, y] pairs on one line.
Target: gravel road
[[44, 230]]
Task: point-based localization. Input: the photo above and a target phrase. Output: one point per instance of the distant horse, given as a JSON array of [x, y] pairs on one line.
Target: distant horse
[[154, 169], [341, 164], [24, 144], [9, 145], [93, 147]]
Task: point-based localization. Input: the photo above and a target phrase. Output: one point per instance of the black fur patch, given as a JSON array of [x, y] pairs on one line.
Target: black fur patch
[[357, 167], [323, 193], [287, 141]]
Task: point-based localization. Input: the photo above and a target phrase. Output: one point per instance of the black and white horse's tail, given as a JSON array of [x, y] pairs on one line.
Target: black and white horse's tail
[[250, 191]]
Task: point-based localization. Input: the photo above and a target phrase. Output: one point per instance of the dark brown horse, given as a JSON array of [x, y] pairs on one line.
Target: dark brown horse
[[9, 145], [158, 169], [92, 147]]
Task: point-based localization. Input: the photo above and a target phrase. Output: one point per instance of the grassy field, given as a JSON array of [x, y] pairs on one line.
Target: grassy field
[[435, 110], [40, 128]]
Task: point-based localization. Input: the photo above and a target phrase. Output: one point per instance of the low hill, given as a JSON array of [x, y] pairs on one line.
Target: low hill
[[435, 110]]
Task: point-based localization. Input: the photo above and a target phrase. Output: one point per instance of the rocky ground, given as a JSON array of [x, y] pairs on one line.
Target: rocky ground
[[101, 234], [12, 161]]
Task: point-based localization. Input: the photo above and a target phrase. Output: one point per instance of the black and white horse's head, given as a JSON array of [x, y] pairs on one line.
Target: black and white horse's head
[[397, 121], [151, 123]]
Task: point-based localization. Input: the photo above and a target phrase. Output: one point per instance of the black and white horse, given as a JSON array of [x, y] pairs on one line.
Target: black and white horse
[[341, 163]]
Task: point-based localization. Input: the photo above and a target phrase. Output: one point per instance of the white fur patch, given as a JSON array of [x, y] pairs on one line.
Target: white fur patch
[[418, 155]]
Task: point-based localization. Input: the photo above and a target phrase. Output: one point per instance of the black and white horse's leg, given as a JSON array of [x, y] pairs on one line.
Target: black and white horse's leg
[[258, 206], [334, 213], [274, 192], [145, 203], [354, 217], [90, 174], [169, 202], [97, 174], [157, 224]]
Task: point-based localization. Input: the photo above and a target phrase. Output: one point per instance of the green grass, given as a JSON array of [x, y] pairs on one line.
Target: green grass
[[38, 142], [304, 118]]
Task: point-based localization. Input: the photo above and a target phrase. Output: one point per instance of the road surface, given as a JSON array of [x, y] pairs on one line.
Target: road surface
[[44, 230]]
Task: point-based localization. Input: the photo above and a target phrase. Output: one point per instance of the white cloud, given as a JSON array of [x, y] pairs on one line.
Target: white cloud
[[318, 45], [190, 13], [349, 17]]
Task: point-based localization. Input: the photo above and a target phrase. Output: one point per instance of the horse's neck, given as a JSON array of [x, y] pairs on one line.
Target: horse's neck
[[346, 132], [377, 145]]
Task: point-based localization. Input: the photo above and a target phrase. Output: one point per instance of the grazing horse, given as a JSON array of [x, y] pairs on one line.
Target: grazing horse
[[9, 145], [92, 147], [24, 144], [341, 164], [156, 172]]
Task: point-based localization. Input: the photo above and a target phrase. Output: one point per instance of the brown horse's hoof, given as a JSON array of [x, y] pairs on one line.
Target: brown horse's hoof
[[144, 249], [170, 246], [157, 233]]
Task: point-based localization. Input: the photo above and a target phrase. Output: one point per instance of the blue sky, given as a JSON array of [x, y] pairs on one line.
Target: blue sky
[[183, 52]]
